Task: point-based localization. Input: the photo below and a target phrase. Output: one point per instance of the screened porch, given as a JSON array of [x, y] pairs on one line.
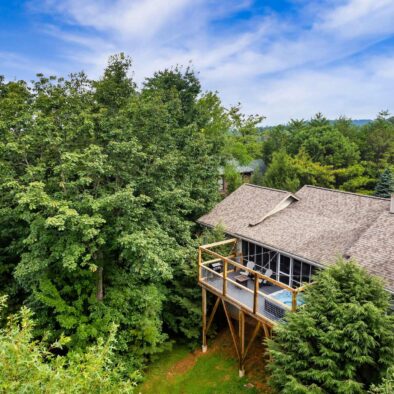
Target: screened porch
[[261, 289]]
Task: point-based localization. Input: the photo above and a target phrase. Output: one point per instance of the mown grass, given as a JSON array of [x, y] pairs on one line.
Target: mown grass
[[180, 371]]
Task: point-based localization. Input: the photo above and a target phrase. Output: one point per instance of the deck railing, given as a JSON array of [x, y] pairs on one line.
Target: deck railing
[[261, 304]]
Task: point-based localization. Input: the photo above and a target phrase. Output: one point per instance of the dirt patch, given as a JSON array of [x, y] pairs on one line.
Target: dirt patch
[[255, 362], [185, 364]]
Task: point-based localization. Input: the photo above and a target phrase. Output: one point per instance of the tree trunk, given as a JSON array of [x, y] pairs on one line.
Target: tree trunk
[[100, 293]]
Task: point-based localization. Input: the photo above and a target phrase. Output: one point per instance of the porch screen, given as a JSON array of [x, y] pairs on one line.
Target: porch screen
[[293, 272]]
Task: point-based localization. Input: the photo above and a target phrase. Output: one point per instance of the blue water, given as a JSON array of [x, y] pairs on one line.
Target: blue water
[[285, 297]]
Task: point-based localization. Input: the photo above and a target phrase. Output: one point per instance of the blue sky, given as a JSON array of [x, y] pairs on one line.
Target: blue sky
[[280, 58]]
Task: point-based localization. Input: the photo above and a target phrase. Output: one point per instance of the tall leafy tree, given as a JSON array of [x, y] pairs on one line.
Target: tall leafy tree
[[290, 173], [244, 138], [102, 184], [280, 174], [377, 141], [340, 341], [343, 149]]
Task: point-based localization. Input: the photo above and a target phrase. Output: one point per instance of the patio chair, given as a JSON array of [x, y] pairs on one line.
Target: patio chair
[[250, 265], [268, 273]]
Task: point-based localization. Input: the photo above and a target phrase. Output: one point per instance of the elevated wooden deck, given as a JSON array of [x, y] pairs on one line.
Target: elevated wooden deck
[[263, 298], [268, 308]]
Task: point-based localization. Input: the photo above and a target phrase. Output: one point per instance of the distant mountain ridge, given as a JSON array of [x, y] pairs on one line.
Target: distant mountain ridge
[[361, 122], [356, 122]]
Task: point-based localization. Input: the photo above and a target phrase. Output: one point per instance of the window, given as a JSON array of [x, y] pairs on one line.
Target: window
[[259, 258], [296, 277], [292, 272], [269, 259], [284, 269], [314, 271], [262, 257], [252, 252], [245, 250], [305, 273]]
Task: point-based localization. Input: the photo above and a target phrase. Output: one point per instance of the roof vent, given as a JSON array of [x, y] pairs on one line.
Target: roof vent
[[392, 204], [290, 198]]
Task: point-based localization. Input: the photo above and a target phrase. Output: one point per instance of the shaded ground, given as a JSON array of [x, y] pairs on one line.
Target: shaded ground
[[215, 372]]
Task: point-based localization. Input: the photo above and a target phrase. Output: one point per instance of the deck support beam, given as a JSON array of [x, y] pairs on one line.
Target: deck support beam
[[215, 308], [254, 335], [230, 324], [241, 322], [266, 331], [238, 340], [204, 320], [232, 264]]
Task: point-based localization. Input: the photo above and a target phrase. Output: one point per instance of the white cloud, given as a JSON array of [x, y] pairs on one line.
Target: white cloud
[[358, 18], [357, 92], [281, 66]]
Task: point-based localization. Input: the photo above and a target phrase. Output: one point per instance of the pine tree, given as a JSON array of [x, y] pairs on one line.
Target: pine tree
[[340, 341], [385, 185]]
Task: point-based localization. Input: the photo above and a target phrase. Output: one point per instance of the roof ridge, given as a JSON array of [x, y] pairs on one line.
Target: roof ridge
[[267, 188], [344, 192]]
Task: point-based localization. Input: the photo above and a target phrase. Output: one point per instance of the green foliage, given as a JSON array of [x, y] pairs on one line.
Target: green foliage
[[101, 185], [232, 177], [276, 139], [340, 341], [28, 366], [385, 185], [324, 144], [244, 139], [290, 173], [377, 141], [280, 174], [330, 154], [213, 372], [387, 384]]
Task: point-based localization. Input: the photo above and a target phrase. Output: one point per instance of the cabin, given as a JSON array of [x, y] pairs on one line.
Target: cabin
[[276, 241]]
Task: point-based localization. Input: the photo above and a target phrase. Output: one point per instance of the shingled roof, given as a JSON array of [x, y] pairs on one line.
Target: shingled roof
[[315, 224]]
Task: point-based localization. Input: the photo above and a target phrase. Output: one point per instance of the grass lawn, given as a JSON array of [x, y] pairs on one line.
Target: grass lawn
[[216, 372]]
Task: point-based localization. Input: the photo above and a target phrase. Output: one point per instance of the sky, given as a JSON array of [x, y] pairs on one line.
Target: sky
[[283, 59]]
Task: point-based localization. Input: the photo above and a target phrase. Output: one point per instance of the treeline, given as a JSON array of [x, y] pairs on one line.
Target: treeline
[[320, 152], [101, 184]]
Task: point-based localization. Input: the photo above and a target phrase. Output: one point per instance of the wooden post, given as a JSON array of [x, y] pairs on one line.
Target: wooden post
[[294, 301], [199, 265], [230, 324], [266, 331], [225, 278], [212, 314], [241, 343], [256, 292], [255, 332], [204, 320]]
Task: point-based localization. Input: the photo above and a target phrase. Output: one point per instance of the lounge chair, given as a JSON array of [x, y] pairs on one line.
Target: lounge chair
[[268, 273], [250, 265]]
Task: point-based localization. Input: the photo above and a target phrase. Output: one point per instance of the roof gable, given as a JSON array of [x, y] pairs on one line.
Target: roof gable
[[318, 225]]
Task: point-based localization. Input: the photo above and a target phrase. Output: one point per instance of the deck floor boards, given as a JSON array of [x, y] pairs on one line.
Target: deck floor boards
[[243, 296]]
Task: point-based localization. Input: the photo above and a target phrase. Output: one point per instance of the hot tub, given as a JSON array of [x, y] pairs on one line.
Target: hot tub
[[276, 310]]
